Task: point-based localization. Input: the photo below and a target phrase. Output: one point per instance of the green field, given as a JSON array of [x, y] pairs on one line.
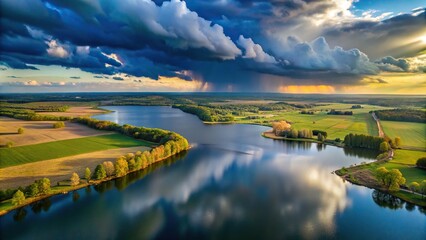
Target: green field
[[404, 160], [51, 150], [411, 134], [337, 126]]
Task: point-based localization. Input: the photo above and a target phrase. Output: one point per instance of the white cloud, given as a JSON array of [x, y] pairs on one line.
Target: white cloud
[[254, 51], [56, 49], [178, 26]]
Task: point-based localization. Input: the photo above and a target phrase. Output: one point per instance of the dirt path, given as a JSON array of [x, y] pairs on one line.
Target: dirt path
[[379, 126], [60, 168]]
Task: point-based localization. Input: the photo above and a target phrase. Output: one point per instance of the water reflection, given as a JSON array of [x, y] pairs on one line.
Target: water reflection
[[234, 184]]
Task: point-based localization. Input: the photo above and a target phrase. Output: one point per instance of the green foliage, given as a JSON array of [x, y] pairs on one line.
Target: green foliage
[[43, 186], [323, 133], [75, 179], [384, 147], [403, 115], [32, 190], [421, 163], [21, 130], [422, 187], [99, 173], [18, 198], [414, 186], [363, 141], [87, 174], [59, 125], [390, 179]]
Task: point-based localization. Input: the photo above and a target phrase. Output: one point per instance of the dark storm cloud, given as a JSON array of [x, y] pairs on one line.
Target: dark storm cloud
[[242, 40]]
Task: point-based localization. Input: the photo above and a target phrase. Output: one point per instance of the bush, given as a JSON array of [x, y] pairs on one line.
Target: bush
[[421, 163], [18, 198], [10, 144], [58, 125], [20, 130]]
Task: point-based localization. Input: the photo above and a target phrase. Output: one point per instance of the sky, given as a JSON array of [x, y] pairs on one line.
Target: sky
[[288, 46]]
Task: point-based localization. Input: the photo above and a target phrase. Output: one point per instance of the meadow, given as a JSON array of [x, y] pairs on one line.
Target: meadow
[[337, 126], [51, 150], [412, 134]]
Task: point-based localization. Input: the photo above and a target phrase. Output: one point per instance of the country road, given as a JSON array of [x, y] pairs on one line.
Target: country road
[[381, 133]]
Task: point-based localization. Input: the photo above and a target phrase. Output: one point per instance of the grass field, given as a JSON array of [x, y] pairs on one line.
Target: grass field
[[337, 126], [51, 150], [411, 134]]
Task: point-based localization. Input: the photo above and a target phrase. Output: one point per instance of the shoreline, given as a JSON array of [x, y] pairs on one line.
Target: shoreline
[[357, 175], [68, 189]]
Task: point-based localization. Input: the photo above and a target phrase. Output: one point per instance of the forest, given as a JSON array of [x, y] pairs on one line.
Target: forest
[[403, 115]]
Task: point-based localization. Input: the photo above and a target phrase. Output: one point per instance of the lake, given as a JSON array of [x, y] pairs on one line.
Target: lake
[[233, 184]]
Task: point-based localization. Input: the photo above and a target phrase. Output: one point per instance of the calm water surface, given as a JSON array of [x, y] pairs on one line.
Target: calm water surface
[[233, 184]]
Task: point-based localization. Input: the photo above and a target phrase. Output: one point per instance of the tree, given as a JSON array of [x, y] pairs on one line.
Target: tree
[[109, 168], [43, 186], [394, 179], [121, 167], [20, 130], [59, 125], [10, 144], [18, 198], [421, 163], [320, 137], [100, 172], [75, 179], [398, 142], [384, 147], [32, 190], [414, 186], [381, 173], [422, 188], [87, 175]]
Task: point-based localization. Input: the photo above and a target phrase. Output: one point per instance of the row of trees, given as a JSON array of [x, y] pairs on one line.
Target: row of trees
[[209, 114], [334, 112], [29, 115], [366, 141], [284, 129], [403, 115], [38, 188], [418, 187], [155, 135]]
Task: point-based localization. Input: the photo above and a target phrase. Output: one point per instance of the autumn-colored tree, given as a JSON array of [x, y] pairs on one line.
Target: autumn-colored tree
[[398, 142], [109, 168], [75, 179], [121, 167], [279, 127]]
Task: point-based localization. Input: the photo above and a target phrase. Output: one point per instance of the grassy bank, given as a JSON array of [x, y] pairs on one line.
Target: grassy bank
[[51, 150], [403, 160]]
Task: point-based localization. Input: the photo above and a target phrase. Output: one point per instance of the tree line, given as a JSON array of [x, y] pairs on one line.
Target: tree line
[[366, 141], [403, 115], [334, 112]]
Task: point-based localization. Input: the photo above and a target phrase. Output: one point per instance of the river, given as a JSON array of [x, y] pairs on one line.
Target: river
[[233, 184]]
